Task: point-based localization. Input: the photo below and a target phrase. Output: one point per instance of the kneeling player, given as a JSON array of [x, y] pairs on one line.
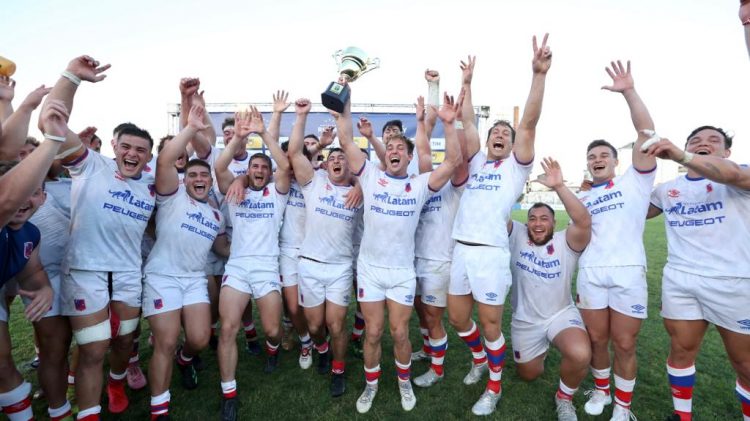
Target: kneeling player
[[542, 264]]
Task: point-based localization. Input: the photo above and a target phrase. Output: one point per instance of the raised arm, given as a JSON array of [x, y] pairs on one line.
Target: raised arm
[[16, 127], [714, 168], [188, 87], [280, 105], [421, 140], [281, 178], [365, 129], [523, 147], [167, 179], [622, 82], [354, 156], [224, 176], [17, 185], [303, 168], [7, 93], [326, 139], [473, 142], [578, 233], [445, 170]]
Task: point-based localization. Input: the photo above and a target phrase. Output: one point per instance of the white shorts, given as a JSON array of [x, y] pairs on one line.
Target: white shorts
[[288, 267], [531, 340], [56, 308], [163, 293], [433, 278], [85, 292], [622, 288], [321, 282], [214, 264], [376, 283], [482, 271], [254, 275], [721, 301]]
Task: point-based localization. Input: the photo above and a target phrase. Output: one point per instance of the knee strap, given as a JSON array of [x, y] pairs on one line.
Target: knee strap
[[128, 326], [95, 333]]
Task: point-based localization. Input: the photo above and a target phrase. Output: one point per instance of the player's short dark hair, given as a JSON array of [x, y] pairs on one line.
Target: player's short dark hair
[[262, 156], [409, 142], [538, 205], [120, 127], [136, 131], [332, 150], [31, 140], [6, 166], [195, 162], [285, 148], [504, 123], [229, 121], [393, 123], [312, 135], [727, 138], [163, 142], [601, 142]]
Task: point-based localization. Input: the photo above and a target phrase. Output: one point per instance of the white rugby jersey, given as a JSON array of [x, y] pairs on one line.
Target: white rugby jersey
[[329, 224], [53, 221], [256, 222], [433, 238], [492, 190], [109, 214], [542, 275], [391, 213], [293, 226], [618, 217], [707, 225], [185, 231]]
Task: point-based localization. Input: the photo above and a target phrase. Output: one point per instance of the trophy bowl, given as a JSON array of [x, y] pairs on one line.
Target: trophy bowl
[[352, 63]]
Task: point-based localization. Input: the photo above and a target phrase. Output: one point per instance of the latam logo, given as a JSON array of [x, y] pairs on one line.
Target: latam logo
[[673, 193], [638, 309], [200, 219], [128, 197], [158, 304], [28, 248], [744, 324]]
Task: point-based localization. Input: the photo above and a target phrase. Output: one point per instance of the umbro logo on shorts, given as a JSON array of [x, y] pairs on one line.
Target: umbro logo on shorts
[[429, 298], [409, 298], [491, 296], [575, 322], [637, 308], [744, 324]]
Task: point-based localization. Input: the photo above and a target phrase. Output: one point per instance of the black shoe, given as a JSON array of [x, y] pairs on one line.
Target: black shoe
[[271, 364], [198, 363], [673, 417], [229, 409], [213, 342], [189, 376], [338, 385], [252, 347], [163, 417], [324, 363], [356, 348]]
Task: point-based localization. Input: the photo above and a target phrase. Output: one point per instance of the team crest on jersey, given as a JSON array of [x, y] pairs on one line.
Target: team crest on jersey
[[497, 163], [610, 184], [383, 182], [673, 193], [146, 168], [80, 304], [709, 188], [266, 192], [119, 176], [28, 248], [217, 216], [408, 187], [152, 190], [328, 187], [158, 304], [550, 249]]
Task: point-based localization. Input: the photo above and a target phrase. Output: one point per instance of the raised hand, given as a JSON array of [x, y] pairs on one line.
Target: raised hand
[[622, 80], [279, 101], [7, 89], [467, 69], [54, 118], [542, 56], [431, 76], [302, 106], [196, 116], [420, 111], [35, 98], [365, 127], [460, 111], [189, 86], [242, 120], [257, 125], [448, 111], [552, 176], [236, 192], [88, 69], [87, 134], [198, 99], [326, 137], [354, 197], [665, 149]]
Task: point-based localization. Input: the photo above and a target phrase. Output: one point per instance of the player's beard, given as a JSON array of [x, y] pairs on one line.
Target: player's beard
[[544, 240]]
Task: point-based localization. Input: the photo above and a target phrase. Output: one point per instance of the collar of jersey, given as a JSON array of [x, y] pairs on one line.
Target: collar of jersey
[[396, 177], [694, 178], [243, 157], [603, 183]]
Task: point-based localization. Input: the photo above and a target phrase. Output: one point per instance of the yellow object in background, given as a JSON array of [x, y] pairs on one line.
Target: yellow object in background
[[7, 67]]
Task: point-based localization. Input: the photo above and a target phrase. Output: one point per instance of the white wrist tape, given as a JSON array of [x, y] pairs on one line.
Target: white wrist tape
[[96, 333], [687, 158], [69, 152], [58, 139], [128, 326], [75, 80], [651, 140]]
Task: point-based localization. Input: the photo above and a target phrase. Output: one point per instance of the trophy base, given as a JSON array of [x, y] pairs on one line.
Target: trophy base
[[335, 97]]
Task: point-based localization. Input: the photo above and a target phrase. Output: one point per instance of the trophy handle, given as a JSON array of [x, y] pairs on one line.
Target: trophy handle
[[372, 64], [337, 56]]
